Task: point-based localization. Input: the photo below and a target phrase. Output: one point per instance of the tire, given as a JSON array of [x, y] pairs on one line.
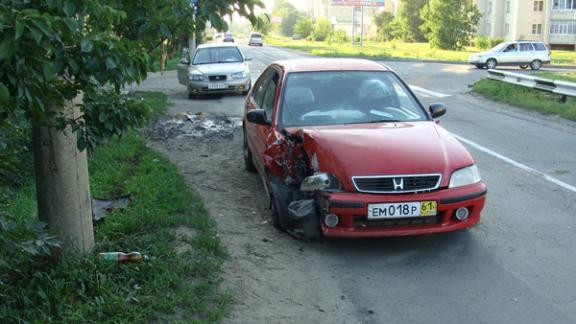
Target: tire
[[491, 63], [192, 95], [524, 66], [248, 163], [536, 65], [480, 66]]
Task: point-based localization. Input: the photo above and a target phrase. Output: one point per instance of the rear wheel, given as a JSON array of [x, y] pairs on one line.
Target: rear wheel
[[524, 66], [491, 63], [536, 65], [248, 163]]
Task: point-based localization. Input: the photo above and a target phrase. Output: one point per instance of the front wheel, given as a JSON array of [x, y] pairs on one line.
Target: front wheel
[[480, 66], [524, 66], [491, 63], [536, 65], [192, 95]]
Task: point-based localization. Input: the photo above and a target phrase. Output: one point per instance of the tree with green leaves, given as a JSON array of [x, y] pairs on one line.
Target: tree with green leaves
[[263, 24], [450, 24], [289, 14], [408, 20], [304, 26], [322, 29], [385, 27], [64, 63]]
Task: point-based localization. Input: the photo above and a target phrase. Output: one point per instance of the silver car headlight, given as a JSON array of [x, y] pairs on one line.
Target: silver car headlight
[[239, 75], [196, 77], [465, 176], [321, 181]]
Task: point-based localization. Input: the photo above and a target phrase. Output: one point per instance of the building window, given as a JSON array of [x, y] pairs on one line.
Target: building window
[[564, 5], [489, 11], [537, 29], [507, 7], [538, 5], [563, 27], [506, 29]]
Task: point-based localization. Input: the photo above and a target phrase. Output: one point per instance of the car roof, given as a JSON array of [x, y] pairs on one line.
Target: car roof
[[330, 64], [212, 45]]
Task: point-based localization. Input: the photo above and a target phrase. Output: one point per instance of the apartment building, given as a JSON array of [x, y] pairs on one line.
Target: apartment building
[[550, 21], [342, 16]]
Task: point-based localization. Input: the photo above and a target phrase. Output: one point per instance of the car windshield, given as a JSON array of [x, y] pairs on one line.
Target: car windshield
[[217, 55], [499, 47], [256, 36], [347, 97]]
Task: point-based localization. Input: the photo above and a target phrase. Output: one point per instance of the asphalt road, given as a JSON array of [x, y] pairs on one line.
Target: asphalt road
[[517, 266]]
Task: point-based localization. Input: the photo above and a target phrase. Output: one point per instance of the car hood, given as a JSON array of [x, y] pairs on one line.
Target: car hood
[[219, 68], [384, 149]]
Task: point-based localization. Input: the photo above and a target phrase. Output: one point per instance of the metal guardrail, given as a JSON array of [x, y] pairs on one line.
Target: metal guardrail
[[563, 88]]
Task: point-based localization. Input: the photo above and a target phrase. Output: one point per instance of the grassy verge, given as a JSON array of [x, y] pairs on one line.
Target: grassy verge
[[544, 102], [168, 287], [395, 49], [565, 76]]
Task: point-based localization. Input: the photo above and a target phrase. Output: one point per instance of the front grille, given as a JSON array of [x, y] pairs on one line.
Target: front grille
[[217, 78], [362, 221], [397, 184]]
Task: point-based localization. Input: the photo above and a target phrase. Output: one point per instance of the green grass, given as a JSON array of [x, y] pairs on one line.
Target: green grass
[[544, 102], [395, 49], [88, 290], [565, 76]]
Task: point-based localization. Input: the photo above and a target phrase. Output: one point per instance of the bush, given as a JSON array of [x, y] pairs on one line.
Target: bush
[[322, 29], [338, 36], [496, 41], [16, 161], [481, 42]]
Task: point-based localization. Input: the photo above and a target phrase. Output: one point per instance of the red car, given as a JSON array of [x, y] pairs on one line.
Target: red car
[[345, 149]]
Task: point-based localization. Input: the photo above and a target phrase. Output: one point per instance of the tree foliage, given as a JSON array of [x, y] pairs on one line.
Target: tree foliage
[[408, 20], [385, 26], [263, 24], [289, 14], [304, 26], [322, 29], [449, 24]]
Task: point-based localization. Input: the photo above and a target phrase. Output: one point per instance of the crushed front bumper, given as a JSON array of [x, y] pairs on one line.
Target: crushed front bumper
[[352, 209]]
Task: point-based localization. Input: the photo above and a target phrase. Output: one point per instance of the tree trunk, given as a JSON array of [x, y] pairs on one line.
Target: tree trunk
[[63, 191]]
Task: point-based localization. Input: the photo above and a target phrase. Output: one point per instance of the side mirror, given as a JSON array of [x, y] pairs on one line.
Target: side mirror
[[437, 110], [185, 61], [248, 58], [258, 117]]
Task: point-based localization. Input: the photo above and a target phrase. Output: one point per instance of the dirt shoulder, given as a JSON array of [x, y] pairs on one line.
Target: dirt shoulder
[[274, 278]]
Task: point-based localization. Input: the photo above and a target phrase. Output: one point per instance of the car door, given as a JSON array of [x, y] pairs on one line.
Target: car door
[[527, 53], [509, 54], [182, 67], [263, 97]]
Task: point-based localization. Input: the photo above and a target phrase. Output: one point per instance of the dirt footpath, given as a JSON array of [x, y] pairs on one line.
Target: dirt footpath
[[274, 278]]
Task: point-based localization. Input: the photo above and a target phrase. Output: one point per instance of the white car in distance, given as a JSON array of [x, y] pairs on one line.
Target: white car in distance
[[523, 53]]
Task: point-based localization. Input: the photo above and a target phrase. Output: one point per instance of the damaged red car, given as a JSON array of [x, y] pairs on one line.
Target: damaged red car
[[345, 149]]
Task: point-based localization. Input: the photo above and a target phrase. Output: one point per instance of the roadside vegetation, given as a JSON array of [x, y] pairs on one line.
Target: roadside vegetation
[[35, 289], [544, 102], [435, 30], [565, 76]]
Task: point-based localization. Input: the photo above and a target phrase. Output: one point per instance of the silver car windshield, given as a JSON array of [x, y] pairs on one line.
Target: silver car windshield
[[217, 55], [499, 47], [347, 97]]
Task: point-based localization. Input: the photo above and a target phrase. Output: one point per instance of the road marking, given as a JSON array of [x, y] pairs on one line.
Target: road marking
[[517, 164], [429, 92]]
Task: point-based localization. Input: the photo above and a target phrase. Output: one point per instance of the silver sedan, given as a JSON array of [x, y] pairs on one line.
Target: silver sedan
[[215, 68]]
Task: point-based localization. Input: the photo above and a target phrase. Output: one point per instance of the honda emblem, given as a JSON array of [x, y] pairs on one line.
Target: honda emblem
[[398, 183]]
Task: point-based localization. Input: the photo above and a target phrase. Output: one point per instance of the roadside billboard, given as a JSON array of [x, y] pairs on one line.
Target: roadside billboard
[[358, 3]]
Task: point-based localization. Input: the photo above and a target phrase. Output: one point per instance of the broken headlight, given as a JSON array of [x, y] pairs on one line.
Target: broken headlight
[[320, 181]]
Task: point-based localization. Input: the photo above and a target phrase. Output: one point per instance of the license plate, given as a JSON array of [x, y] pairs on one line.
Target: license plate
[[217, 86], [402, 210]]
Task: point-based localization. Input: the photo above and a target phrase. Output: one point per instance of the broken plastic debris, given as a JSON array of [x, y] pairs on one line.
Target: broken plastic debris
[[299, 209], [188, 125], [121, 257], [102, 206]]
